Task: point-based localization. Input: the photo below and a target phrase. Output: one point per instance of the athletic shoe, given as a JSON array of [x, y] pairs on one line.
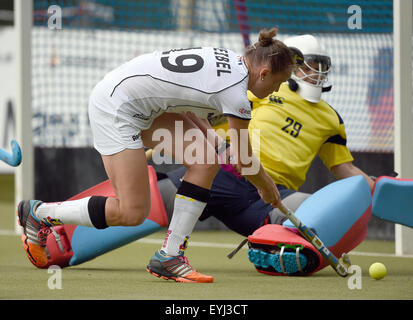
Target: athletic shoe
[[34, 234], [175, 268]]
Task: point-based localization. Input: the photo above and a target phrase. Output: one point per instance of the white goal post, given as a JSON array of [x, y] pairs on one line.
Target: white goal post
[[403, 112], [24, 174]]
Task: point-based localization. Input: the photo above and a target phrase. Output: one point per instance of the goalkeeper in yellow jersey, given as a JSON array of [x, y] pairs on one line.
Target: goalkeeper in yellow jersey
[[295, 125]]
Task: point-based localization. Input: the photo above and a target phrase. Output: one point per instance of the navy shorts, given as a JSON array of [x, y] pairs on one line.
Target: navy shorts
[[235, 202]]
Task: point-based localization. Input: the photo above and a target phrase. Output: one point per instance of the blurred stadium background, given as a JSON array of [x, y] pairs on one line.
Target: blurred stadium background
[[97, 35]]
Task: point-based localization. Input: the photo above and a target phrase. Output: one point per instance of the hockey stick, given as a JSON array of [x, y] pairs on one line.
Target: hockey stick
[[13, 159], [339, 265]]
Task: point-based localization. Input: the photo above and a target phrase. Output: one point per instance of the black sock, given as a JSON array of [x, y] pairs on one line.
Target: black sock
[[193, 191], [96, 208]]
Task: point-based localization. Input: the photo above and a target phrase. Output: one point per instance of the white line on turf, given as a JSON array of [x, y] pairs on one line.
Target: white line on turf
[[374, 254], [230, 246], [8, 233], [192, 243]]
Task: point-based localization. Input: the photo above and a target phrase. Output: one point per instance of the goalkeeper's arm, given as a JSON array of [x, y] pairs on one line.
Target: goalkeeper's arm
[[347, 169]]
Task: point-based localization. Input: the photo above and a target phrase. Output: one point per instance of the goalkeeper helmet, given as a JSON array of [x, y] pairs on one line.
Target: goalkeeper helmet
[[310, 77]]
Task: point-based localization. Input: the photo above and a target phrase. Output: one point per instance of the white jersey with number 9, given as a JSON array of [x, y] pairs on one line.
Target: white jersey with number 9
[[203, 80]]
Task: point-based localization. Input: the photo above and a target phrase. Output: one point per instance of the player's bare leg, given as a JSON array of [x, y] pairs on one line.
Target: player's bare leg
[[190, 201], [128, 174]]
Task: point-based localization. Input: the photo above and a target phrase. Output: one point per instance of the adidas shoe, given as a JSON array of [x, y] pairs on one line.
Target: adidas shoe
[[34, 234], [175, 268]]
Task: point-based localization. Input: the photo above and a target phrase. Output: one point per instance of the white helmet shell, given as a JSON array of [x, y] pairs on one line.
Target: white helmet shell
[[308, 44], [310, 86]]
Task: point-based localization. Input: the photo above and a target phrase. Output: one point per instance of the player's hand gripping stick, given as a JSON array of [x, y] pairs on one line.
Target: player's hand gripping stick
[[339, 265]]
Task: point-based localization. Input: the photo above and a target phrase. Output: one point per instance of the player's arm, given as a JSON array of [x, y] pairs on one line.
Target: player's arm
[[347, 169], [251, 169], [203, 124], [337, 157]]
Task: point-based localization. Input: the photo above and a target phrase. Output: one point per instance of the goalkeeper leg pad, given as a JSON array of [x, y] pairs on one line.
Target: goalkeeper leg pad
[[69, 245], [338, 214], [392, 200]]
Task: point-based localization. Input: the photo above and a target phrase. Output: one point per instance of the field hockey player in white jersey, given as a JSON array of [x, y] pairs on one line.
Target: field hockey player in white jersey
[[154, 92]]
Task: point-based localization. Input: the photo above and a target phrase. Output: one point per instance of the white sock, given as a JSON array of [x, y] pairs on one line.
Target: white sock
[[67, 212], [185, 215]]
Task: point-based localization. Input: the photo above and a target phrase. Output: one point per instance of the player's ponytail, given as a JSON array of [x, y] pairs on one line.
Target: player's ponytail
[[271, 51]]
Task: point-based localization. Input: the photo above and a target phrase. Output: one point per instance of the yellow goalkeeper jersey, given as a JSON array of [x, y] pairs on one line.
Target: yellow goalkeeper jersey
[[292, 132]]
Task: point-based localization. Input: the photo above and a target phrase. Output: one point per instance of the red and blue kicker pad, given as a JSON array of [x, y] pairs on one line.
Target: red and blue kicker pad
[[338, 214], [69, 245], [276, 250], [393, 200]]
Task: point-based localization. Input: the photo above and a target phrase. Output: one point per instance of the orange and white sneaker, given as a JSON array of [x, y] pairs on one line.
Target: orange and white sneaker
[[175, 268], [34, 234]]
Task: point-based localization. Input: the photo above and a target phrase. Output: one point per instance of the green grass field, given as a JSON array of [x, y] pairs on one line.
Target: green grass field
[[121, 274]]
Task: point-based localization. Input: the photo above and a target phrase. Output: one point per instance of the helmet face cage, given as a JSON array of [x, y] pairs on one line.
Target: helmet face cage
[[318, 76]]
